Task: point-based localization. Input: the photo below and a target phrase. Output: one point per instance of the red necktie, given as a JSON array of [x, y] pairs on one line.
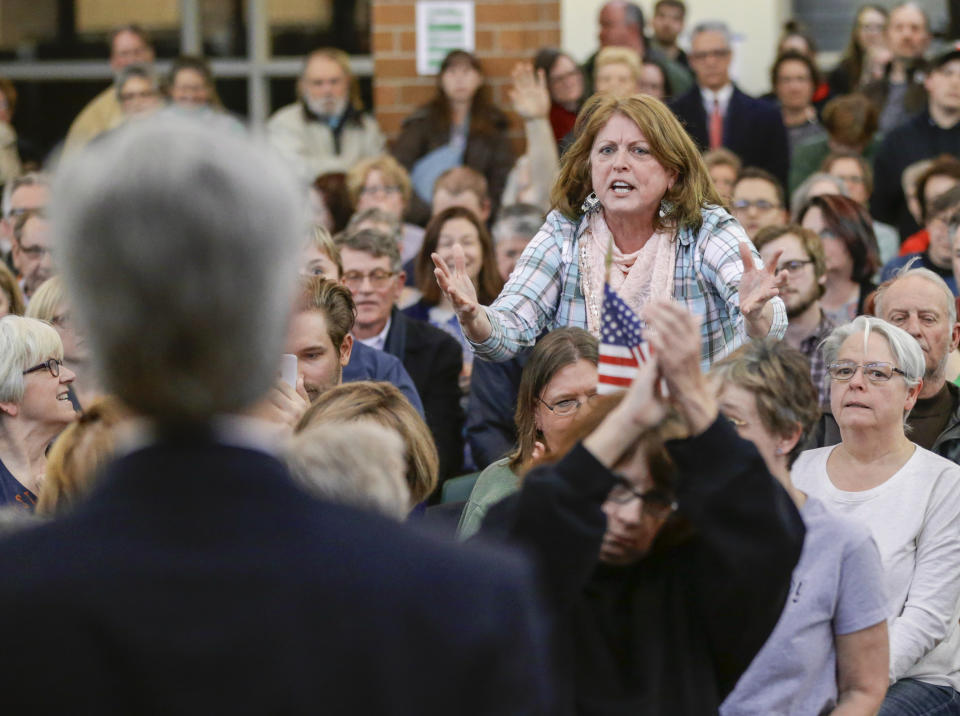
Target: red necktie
[[716, 126]]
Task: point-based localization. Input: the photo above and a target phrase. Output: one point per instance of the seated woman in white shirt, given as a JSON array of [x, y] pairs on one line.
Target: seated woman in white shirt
[[907, 496]]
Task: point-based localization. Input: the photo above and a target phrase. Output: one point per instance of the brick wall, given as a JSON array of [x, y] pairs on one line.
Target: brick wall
[[506, 31]]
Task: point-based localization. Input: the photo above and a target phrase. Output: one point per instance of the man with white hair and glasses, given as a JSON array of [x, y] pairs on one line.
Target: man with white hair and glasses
[[198, 578]]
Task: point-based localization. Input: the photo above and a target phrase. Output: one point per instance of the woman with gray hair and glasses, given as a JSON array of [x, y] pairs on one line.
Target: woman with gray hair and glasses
[[34, 405], [909, 497]]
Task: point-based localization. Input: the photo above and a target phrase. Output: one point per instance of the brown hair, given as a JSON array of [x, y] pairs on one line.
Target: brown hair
[[201, 67], [391, 169], [850, 223], [853, 55], [484, 114], [460, 179], [810, 241], [384, 404], [489, 282], [758, 173], [865, 170], [334, 300], [10, 287], [78, 454], [794, 56], [778, 376], [669, 144], [851, 120], [332, 186], [555, 351], [945, 165], [9, 93], [722, 157]]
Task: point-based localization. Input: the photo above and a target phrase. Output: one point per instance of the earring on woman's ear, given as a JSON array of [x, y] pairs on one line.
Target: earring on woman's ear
[[779, 451], [590, 203]]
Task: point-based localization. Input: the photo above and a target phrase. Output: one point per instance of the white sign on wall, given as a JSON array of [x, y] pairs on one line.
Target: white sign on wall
[[441, 27]]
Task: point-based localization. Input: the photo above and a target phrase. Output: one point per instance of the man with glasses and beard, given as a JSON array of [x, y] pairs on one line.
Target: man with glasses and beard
[[803, 261], [325, 130]]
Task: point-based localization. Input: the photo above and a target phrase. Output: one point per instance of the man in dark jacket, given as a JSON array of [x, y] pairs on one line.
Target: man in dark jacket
[[433, 358], [717, 114], [198, 578], [929, 134]]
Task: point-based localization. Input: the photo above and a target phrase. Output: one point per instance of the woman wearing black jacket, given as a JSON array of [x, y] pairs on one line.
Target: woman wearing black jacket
[[655, 612], [460, 126]]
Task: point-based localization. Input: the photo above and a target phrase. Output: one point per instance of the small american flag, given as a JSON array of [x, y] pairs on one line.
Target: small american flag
[[622, 347]]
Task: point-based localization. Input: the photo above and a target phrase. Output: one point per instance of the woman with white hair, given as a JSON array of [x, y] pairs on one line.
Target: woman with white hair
[[34, 405], [908, 497]]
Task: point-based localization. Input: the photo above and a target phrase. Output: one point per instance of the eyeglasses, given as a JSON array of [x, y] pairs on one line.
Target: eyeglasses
[[760, 204], [378, 279], [35, 252], [21, 210], [53, 365], [655, 503], [878, 372], [715, 54], [566, 407], [130, 96], [850, 178], [793, 267], [375, 190]]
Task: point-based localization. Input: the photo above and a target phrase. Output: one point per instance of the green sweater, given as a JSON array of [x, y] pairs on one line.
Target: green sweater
[[495, 482]]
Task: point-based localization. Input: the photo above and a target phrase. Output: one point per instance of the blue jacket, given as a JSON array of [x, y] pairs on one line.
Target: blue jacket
[[368, 363]]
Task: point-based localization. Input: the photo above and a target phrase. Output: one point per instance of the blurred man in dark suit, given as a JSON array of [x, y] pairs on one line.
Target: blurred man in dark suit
[[198, 578], [717, 114]]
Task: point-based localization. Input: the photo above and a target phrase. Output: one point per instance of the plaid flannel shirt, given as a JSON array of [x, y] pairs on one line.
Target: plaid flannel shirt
[[544, 290], [810, 347]]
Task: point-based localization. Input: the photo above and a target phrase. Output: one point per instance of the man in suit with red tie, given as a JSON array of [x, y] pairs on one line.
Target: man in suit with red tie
[[717, 114]]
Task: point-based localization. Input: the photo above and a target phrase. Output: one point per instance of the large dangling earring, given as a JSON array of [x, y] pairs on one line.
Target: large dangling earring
[[590, 203], [665, 207]]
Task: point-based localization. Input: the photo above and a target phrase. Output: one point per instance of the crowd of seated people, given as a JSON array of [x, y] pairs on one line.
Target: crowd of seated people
[[765, 518]]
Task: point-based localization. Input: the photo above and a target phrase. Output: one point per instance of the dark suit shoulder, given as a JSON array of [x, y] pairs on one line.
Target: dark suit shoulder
[[423, 333]]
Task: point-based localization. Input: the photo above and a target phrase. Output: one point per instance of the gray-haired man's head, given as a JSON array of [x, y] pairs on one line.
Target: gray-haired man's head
[[179, 246]]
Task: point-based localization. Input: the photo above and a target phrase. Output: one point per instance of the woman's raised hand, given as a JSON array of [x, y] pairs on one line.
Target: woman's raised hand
[[641, 408], [529, 94], [462, 294], [757, 287]]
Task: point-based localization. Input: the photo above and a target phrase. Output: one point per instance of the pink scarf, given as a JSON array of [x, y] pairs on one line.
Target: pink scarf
[[636, 277]]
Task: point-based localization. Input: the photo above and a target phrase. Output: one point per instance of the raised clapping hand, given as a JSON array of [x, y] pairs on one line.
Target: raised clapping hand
[[529, 94], [462, 294], [757, 287], [641, 408], [675, 338]]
